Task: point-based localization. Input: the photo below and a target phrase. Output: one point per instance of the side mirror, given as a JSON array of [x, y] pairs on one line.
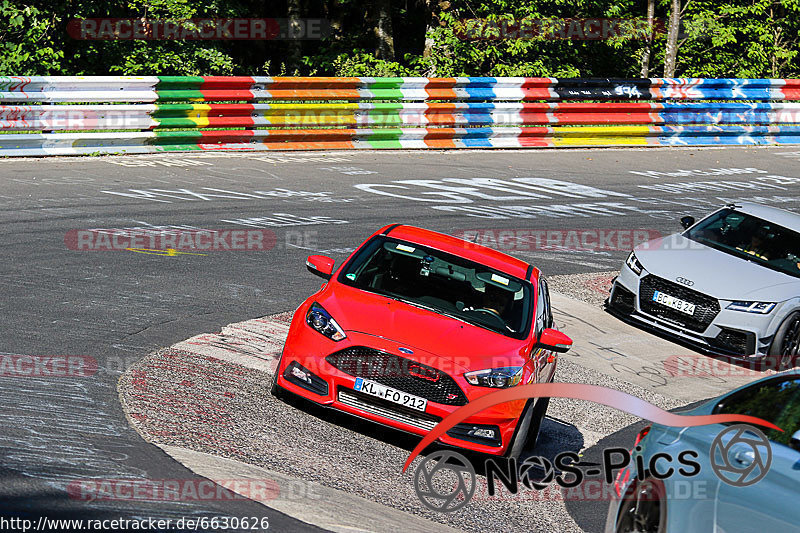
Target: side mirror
[[320, 265], [795, 442], [554, 340], [687, 221]]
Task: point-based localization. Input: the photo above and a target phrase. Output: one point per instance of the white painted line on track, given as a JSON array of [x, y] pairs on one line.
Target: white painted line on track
[[313, 503]]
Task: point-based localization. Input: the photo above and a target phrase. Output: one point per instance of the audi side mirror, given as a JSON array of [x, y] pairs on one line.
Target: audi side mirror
[[320, 265], [795, 442], [554, 340], [687, 221]]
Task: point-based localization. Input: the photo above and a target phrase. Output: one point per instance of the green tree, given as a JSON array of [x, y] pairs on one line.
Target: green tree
[[36, 42], [755, 39], [731, 38], [27, 43]]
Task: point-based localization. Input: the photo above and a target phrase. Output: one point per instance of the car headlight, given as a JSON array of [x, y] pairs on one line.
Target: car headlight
[[499, 378], [634, 264], [761, 308], [322, 321]]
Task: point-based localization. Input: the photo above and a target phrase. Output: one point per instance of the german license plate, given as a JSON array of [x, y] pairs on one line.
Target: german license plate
[[675, 303], [389, 394]]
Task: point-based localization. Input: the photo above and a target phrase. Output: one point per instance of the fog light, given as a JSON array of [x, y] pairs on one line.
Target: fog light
[[483, 433], [299, 374]]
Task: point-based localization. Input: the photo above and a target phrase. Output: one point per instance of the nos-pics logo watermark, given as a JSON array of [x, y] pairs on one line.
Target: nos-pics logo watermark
[[445, 481], [741, 455]]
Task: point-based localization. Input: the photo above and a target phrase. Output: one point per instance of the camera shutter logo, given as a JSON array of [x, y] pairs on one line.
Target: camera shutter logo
[[741, 455], [528, 469], [445, 481]]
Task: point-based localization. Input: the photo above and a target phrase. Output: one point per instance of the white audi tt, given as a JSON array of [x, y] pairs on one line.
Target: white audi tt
[[729, 284]]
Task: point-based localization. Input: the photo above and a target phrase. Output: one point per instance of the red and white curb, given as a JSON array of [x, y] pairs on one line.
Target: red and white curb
[[255, 343], [187, 398]]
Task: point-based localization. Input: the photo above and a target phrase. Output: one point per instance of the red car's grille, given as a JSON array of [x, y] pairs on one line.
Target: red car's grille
[[399, 373]]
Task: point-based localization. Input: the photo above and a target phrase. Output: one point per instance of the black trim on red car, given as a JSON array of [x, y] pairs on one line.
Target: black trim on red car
[[390, 228]]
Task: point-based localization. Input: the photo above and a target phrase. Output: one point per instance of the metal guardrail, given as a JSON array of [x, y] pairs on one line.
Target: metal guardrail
[[106, 114], [151, 116]]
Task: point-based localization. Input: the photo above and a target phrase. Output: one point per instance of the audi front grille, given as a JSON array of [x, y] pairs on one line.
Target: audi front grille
[[706, 307]]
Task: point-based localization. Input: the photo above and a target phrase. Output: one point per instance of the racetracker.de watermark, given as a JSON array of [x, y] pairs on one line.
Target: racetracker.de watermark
[[525, 239], [146, 239], [700, 366], [592, 490], [39, 366], [198, 29], [173, 490], [571, 29]]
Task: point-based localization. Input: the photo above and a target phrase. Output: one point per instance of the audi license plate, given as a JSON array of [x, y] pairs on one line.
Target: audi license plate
[[676, 303], [393, 395]]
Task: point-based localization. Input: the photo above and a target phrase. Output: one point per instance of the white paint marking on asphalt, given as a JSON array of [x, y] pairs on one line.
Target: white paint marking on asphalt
[[656, 174], [313, 503]]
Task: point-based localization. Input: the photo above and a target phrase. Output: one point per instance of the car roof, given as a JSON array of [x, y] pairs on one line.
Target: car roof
[[459, 247], [787, 219]]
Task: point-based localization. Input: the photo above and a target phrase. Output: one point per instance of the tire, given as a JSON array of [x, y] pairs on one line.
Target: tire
[[527, 431], [643, 509], [540, 410], [275, 390], [785, 346]]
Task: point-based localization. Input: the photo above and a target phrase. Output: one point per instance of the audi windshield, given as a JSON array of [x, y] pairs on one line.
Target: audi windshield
[[750, 238]]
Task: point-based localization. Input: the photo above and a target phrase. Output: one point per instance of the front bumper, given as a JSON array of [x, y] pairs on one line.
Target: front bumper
[[730, 333], [335, 388]]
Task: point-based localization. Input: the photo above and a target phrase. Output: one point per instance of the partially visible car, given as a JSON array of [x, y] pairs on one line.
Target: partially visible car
[[415, 324], [649, 501], [729, 284]]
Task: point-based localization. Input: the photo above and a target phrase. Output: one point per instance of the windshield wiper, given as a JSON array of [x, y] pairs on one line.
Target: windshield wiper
[[423, 306], [431, 308], [449, 315]]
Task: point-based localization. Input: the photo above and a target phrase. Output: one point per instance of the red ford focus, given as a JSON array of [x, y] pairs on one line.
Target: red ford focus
[[416, 324]]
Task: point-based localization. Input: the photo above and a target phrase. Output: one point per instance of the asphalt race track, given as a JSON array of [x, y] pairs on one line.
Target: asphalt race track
[[113, 308]]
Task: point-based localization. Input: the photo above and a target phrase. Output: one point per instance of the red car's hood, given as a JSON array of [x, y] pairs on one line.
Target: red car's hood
[[468, 346]]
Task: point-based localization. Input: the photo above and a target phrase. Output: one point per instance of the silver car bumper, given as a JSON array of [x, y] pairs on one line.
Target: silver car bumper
[[713, 328]]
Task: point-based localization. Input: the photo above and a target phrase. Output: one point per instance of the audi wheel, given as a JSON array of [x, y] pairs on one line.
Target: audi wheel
[[786, 345], [643, 508]]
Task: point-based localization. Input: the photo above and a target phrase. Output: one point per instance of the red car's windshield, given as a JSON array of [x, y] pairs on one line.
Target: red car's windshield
[[443, 283]]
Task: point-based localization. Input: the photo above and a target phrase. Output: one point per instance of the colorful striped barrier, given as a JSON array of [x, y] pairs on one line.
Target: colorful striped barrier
[[80, 115], [151, 116], [397, 138], [247, 88]]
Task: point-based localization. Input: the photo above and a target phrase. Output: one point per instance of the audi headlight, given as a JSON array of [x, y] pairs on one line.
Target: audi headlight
[[761, 308], [322, 321], [634, 264], [499, 378]]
